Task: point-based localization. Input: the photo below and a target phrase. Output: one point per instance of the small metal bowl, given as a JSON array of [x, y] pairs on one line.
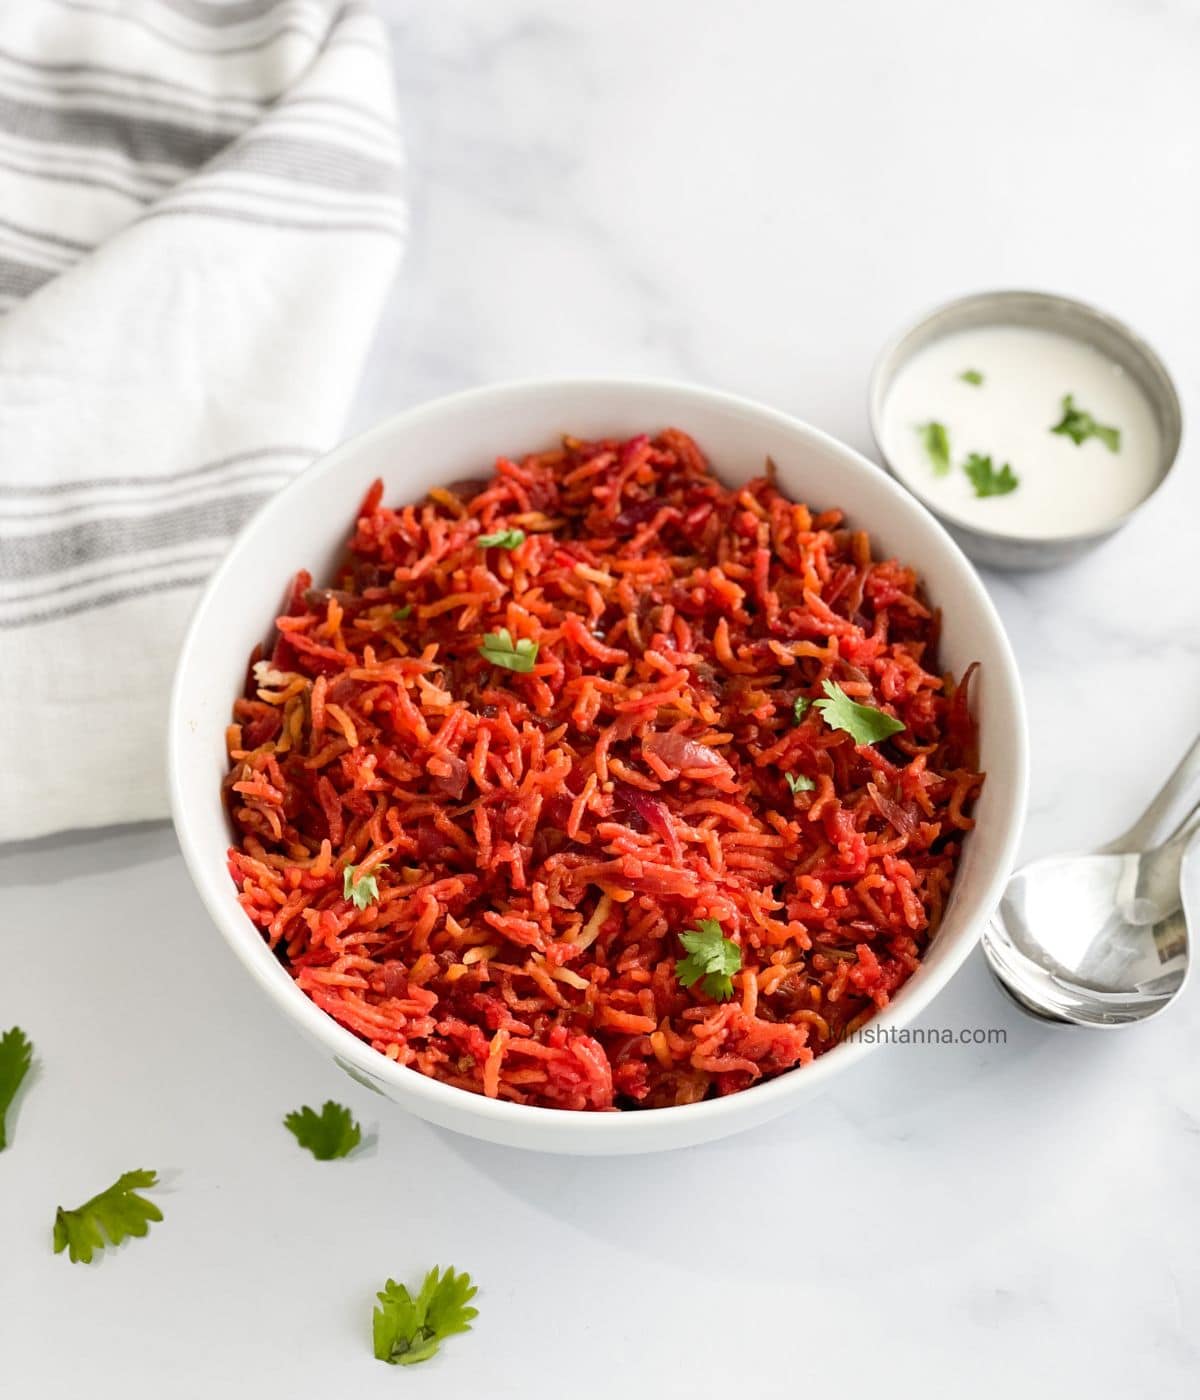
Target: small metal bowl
[[1042, 311]]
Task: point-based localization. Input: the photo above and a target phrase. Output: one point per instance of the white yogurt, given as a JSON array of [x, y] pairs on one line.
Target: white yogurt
[[1063, 489]]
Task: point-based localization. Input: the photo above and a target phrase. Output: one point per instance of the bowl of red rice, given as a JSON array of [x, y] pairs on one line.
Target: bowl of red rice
[[597, 766]]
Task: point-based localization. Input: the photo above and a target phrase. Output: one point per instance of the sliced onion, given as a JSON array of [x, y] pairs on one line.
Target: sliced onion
[[431, 842], [653, 811], [638, 513], [683, 754], [904, 819], [454, 783]]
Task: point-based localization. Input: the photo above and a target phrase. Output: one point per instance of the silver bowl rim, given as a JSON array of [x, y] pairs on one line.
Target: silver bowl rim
[[894, 347]]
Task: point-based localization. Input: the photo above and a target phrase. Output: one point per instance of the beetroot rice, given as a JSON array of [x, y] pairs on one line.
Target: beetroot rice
[[540, 840]]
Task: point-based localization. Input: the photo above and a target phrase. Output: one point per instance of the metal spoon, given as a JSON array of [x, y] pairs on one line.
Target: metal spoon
[[1102, 939]]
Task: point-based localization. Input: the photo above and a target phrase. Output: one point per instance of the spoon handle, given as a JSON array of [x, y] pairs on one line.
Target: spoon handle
[[1157, 876], [1183, 784]]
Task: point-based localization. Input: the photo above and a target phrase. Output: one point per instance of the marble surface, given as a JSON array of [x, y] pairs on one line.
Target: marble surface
[[752, 197]]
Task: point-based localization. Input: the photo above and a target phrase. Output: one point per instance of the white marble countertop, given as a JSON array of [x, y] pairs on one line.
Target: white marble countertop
[[752, 197]]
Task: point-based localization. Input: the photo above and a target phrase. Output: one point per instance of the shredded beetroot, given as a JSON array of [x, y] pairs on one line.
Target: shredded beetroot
[[540, 838]]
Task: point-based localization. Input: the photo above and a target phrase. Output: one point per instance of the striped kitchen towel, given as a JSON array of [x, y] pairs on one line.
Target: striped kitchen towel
[[199, 219]]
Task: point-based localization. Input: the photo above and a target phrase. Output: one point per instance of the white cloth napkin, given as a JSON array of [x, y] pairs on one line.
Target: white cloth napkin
[[199, 218]]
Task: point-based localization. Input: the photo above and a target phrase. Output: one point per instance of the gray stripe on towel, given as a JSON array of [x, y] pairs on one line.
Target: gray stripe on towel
[[18, 279], [311, 163], [245, 216], [63, 488], [118, 595], [207, 560], [51, 551], [138, 82], [214, 50], [77, 177], [141, 138], [166, 142], [221, 14], [240, 109], [41, 235], [152, 106], [269, 479]]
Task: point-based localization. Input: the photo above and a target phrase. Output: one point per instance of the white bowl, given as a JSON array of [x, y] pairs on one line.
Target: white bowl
[[306, 526]]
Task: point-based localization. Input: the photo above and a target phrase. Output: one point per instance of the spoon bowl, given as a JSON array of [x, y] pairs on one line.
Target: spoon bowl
[[1101, 939], [1073, 938]]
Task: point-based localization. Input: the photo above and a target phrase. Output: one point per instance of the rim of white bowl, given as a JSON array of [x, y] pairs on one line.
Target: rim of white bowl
[[693, 1121]]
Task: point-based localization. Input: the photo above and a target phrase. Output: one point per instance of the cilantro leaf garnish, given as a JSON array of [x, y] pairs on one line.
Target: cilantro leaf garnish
[[936, 442], [360, 890], [971, 376], [401, 613], [798, 783], [711, 956], [407, 1329], [1079, 426], [502, 539], [799, 707], [986, 480], [16, 1056], [864, 724], [498, 648], [328, 1134], [119, 1212]]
